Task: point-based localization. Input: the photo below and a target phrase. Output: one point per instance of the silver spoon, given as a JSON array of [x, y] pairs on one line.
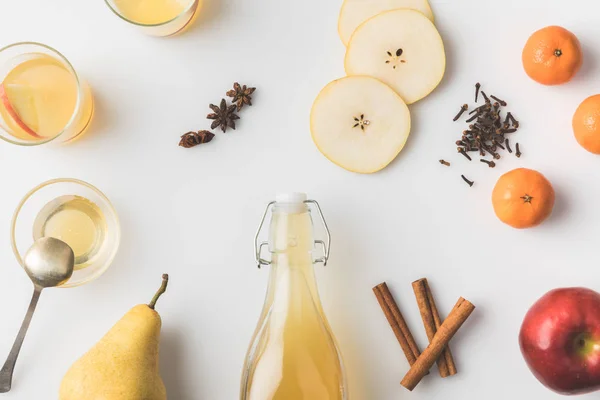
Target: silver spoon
[[49, 263]]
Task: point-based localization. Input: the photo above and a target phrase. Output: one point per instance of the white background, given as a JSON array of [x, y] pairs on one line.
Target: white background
[[193, 213]]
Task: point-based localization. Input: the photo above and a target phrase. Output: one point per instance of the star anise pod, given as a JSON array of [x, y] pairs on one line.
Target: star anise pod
[[241, 95], [192, 139], [224, 116]]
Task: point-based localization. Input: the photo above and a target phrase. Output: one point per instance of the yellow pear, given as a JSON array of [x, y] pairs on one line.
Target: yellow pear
[[123, 365]]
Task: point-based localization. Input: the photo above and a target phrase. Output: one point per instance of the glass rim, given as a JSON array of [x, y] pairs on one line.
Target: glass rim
[[142, 25], [29, 194], [80, 93]]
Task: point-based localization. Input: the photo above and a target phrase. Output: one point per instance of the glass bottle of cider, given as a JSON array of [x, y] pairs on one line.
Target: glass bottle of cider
[[293, 354]]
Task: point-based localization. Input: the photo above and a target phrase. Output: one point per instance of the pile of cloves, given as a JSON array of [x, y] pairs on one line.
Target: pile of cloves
[[488, 130]]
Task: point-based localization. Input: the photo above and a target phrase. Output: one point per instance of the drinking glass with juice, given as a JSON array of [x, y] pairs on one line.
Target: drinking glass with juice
[[157, 17], [42, 99], [293, 354]]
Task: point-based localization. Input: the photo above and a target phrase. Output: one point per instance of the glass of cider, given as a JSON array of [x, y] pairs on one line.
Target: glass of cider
[[76, 213], [42, 99], [157, 17]]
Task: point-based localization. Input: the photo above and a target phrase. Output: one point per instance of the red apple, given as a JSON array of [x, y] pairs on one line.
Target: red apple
[[13, 113], [560, 340]]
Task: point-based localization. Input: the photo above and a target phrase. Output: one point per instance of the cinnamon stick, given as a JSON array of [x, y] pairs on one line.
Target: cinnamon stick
[[432, 322], [397, 322], [447, 330], [447, 354]]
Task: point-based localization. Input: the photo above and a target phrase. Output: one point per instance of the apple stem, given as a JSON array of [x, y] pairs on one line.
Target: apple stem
[[161, 290]]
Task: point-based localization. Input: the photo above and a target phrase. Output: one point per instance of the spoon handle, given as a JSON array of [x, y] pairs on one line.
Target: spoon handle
[[7, 370]]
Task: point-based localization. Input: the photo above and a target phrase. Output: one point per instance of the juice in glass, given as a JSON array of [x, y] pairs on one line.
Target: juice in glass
[[41, 96], [78, 222], [157, 17]]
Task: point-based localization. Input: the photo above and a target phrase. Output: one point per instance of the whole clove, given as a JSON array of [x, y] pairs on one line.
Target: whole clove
[[512, 119], [518, 153], [462, 151], [473, 118], [487, 99], [501, 102], [490, 164], [444, 162], [480, 109], [470, 183], [507, 143], [464, 108]]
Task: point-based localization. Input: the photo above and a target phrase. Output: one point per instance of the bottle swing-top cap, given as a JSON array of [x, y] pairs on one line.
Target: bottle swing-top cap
[[292, 202], [291, 197]]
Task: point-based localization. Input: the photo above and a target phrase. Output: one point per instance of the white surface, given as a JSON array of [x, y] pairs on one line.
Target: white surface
[[181, 212]]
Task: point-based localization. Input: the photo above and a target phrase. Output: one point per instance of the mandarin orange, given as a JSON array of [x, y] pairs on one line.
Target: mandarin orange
[[523, 198], [552, 56], [586, 124]]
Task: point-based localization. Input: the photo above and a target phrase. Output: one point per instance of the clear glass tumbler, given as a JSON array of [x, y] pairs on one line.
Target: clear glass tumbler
[[157, 17], [42, 98]]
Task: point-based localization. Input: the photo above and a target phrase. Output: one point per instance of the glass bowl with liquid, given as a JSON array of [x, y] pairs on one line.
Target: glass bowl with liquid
[[76, 213]]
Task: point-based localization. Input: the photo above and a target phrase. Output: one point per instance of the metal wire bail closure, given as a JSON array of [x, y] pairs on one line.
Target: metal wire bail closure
[[325, 245]]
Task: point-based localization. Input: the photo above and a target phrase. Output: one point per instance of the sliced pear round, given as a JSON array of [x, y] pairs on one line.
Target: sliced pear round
[[403, 49], [355, 12], [359, 123]]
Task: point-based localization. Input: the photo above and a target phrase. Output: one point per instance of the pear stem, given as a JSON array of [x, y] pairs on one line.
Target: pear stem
[[163, 288]]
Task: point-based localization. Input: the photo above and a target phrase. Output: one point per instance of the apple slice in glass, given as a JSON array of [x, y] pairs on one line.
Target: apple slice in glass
[[19, 103]]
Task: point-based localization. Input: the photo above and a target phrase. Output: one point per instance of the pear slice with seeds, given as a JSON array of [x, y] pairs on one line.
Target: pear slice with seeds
[[359, 123], [355, 12], [403, 49]]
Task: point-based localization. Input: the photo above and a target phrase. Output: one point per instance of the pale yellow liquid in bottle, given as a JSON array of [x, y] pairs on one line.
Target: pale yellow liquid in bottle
[[38, 98], [294, 355], [76, 221], [151, 11]]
